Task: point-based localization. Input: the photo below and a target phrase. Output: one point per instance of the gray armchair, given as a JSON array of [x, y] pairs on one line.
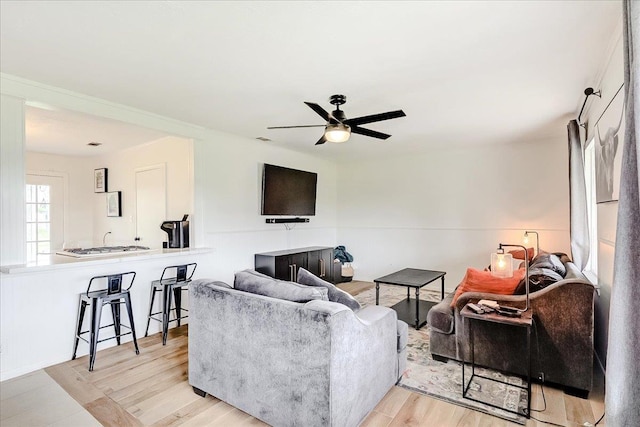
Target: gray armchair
[[289, 363]]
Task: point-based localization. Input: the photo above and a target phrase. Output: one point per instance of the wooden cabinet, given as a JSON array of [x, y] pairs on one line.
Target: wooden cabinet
[[320, 263], [284, 265]]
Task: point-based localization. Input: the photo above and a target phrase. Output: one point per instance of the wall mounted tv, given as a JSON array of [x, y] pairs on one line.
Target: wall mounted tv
[[288, 191]]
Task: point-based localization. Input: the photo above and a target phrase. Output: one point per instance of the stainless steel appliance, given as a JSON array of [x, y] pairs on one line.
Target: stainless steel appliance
[[178, 232]]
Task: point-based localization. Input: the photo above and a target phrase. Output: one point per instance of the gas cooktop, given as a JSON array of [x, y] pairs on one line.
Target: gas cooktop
[[102, 250]]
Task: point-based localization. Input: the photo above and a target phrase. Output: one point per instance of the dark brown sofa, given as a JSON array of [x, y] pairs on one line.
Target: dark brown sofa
[[561, 341]]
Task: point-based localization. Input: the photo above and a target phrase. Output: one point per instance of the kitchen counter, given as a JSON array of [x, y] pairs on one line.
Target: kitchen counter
[[58, 262]]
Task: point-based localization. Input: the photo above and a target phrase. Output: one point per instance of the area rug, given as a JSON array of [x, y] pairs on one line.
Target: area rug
[[444, 380]]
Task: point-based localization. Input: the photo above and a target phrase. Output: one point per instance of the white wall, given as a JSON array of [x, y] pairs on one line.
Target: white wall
[[228, 195], [443, 210], [611, 80], [78, 230], [12, 181], [177, 156]]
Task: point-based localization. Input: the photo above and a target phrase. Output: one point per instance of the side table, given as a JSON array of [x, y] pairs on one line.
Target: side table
[[525, 321], [409, 309]]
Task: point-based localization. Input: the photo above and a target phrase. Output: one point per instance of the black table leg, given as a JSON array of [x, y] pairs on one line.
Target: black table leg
[[377, 293], [442, 289], [418, 308], [528, 414]]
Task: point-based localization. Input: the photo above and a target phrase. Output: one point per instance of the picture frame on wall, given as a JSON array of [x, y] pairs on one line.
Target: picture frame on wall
[[100, 180], [609, 143], [114, 203]]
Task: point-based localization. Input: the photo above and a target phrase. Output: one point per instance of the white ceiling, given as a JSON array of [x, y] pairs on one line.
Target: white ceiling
[[68, 133], [464, 72]]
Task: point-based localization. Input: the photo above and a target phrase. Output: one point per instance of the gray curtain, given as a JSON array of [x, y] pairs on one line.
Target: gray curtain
[[622, 398], [579, 223]]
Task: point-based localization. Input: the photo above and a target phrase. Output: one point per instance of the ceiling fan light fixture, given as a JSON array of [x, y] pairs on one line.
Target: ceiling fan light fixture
[[337, 132]]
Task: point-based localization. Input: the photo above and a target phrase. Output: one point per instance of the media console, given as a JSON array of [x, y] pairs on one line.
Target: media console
[[284, 265]]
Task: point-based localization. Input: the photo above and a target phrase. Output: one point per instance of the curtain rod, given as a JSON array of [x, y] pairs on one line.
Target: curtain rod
[[588, 92]]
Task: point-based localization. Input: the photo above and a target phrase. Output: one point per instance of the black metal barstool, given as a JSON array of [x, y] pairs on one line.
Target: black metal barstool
[[114, 295], [173, 281]]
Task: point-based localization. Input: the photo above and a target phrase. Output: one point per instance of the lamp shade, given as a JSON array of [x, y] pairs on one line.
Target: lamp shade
[[501, 264], [337, 132]]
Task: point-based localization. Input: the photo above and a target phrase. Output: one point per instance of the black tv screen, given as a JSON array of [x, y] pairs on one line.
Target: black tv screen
[[288, 191]]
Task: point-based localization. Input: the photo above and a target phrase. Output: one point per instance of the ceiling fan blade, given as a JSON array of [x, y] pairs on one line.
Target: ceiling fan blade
[[321, 140], [318, 109], [369, 132], [301, 126], [374, 118]]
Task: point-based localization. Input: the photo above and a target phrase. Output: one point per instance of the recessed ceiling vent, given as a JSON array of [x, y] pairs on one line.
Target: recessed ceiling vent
[[262, 138], [94, 144]]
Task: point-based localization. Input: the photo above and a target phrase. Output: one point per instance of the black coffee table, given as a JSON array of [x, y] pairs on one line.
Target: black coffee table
[[409, 309]]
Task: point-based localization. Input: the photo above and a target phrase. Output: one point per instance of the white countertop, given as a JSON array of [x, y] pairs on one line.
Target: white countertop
[[58, 262]]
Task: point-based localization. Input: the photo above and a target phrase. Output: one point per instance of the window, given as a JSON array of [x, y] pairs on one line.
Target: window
[[592, 208], [38, 220]]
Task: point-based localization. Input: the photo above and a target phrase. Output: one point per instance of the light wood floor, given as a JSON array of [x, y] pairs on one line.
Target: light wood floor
[[152, 390]]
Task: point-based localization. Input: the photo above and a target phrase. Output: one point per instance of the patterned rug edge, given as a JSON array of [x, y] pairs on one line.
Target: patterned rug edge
[[430, 294], [518, 419]]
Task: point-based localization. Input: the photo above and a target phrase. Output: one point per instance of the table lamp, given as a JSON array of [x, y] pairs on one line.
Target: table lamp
[[502, 266]]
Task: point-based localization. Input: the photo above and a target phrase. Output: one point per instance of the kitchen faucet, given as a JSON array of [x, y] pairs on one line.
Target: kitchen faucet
[[104, 237]]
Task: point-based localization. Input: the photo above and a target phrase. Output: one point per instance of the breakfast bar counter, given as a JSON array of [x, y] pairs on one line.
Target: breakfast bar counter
[[59, 262], [39, 302]]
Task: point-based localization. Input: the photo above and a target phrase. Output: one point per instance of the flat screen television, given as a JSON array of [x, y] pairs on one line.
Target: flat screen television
[[288, 191]]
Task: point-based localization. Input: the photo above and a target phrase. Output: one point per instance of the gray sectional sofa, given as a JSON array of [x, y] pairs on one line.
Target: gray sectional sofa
[[562, 338], [306, 362]]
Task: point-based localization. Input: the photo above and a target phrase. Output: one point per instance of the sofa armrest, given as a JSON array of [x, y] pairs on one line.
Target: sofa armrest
[[364, 356], [372, 314]]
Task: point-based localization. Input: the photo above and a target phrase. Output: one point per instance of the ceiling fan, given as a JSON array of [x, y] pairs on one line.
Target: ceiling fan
[[338, 128]]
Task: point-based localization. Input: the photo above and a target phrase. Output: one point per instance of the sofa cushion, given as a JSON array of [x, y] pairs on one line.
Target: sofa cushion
[[539, 278], [484, 281], [550, 261], [519, 253], [335, 295], [257, 283], [440, 316]]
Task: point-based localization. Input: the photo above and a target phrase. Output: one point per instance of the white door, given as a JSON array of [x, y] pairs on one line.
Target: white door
[[44, 214], [151, 205]]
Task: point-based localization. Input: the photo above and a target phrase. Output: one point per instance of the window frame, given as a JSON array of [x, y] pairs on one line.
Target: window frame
[[589, 153]]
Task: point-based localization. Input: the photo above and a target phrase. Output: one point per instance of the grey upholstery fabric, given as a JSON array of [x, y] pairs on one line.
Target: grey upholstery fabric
[[403, 339], [550, 261], [288, 363], [440, 317], [623, 370], [403, 335], [563, 314], [257, 283], [336, 295]]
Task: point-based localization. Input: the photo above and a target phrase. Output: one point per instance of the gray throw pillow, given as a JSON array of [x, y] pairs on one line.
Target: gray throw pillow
[[335, 295], [550, 261], [257, 283]]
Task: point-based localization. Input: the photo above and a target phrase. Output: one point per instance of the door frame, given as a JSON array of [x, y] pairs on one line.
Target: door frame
[[65, 202], [163, 167]]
